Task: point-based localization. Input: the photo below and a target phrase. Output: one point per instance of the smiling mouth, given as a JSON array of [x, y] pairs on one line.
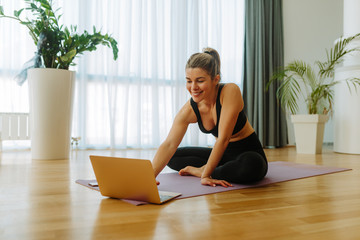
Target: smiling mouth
[[196, 93]]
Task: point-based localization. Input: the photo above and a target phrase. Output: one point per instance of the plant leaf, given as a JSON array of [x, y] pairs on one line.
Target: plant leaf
[[17, 13], [68, 56], [335, 56], [58, 46]]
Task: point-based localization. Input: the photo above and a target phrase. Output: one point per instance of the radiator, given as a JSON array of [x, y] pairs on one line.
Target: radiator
[[14, 126]]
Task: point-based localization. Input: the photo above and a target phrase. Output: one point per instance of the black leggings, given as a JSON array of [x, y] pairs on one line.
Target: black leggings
[[243, 161]]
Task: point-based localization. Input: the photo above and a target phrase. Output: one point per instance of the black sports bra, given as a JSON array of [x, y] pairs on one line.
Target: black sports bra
[[240, 123]]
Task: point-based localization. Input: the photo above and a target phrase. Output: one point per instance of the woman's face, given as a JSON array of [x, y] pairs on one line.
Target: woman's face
[[200, 85]]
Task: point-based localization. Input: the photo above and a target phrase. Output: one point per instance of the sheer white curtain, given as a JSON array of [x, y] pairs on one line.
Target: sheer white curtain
[[131, 102]]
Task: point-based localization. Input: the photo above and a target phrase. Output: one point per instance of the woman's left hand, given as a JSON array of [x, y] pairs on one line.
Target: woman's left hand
[[215, 182]]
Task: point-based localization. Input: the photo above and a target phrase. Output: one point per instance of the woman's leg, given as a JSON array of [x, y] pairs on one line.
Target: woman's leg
[[247, 167], [189, 156], [243, 161]]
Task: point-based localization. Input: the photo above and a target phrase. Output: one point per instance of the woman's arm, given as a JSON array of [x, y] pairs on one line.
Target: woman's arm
[[232, 104], [167, 149]]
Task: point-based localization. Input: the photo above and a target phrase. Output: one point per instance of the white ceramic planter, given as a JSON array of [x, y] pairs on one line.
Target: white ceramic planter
[[51, 93], [309, 132]]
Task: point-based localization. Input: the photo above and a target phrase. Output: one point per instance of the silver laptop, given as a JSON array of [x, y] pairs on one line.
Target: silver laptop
[[128, 178]]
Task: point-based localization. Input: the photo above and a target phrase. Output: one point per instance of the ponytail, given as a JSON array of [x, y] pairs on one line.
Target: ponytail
[[208, 60]]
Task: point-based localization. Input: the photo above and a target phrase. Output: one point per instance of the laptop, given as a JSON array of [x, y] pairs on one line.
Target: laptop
[[128, 178]]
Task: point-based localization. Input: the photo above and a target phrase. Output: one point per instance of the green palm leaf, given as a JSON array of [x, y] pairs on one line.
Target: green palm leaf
[[335, 56], [299, 80]]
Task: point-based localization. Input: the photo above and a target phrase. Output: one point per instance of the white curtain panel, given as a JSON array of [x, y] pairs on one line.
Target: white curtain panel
[[130, 102]]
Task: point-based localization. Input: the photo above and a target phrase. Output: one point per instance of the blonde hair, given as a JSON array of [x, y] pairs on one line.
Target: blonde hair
[[208, 60]]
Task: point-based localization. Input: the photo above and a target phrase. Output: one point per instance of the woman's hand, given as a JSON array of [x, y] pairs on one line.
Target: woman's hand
[[214, 182]]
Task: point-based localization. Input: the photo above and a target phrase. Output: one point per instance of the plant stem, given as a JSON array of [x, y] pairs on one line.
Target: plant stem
[[32, 33]]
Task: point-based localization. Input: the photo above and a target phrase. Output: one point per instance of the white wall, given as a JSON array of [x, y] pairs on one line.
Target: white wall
[[310, 27]]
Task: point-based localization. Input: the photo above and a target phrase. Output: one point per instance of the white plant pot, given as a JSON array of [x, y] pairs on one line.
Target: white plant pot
[[309, 132], [51, 94]]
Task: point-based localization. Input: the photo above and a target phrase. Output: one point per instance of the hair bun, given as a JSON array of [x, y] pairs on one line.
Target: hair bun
[[210, 64]]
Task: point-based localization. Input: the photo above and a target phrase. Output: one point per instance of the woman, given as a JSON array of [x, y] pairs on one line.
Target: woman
[[237, 155]]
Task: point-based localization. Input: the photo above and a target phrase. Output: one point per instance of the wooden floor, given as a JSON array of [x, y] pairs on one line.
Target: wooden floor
[[40, 200]]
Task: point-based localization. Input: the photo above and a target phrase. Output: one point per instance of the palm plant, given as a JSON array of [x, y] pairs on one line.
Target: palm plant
[[300, 80], [57, 46]]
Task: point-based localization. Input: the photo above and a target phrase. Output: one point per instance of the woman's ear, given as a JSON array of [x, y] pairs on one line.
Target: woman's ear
[[217, 79]]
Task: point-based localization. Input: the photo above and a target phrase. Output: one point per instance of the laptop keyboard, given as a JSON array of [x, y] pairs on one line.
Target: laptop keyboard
[[164, 197]]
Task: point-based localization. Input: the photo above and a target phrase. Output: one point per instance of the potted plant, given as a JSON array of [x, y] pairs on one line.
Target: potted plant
[[51, 83], [300, 81]]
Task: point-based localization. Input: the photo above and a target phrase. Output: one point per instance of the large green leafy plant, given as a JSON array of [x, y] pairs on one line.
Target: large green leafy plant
[[299, 80], [57, 46]]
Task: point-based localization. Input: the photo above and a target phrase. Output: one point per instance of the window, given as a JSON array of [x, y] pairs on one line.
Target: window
[[131, 102]]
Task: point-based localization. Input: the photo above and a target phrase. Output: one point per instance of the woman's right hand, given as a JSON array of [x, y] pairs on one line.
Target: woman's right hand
[[214, 182]]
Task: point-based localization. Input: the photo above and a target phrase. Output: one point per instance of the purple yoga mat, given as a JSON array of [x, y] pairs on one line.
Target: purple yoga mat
[[190, 186]]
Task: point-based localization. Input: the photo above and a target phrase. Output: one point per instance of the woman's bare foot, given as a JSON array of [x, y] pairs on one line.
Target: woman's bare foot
[[193, 171]]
